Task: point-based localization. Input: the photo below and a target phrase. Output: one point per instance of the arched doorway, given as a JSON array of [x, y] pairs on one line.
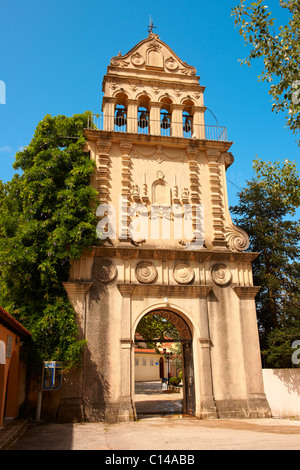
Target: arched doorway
[[165, 328]]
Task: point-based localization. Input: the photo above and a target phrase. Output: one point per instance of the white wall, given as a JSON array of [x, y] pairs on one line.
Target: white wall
[[282, 388], [143, 369]]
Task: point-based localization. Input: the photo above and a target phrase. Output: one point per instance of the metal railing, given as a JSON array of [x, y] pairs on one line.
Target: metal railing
[[151, 127]]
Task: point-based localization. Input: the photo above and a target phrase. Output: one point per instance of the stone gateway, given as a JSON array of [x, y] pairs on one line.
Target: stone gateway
[[161, 179]]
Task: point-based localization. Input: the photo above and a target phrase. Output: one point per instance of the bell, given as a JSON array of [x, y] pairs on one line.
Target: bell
[[187, 125], [143, 121], [120, 119], [165, 124]]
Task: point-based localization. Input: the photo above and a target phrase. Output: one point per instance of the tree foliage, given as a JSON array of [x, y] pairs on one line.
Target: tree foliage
[[266, 212], [279, 47], [47, 218], [154, 329]]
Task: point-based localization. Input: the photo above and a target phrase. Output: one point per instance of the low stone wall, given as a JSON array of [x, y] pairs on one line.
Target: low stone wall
[[282, 388]]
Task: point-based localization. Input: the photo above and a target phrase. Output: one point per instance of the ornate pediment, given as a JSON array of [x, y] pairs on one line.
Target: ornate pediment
[[153, 54]]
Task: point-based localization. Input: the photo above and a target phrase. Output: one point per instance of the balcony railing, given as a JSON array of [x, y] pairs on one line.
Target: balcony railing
[[151, 127]]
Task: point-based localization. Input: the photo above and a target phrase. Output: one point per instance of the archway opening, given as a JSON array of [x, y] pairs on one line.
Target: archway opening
[[163, 362], [166, 117], [187, 118], [120, 116]]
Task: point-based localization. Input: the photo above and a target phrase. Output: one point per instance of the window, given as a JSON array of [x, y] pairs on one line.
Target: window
[[136, 361], [144, 362], [151, 361]]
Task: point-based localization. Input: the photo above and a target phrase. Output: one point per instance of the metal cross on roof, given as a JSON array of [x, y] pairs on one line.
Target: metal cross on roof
[[150, 27]]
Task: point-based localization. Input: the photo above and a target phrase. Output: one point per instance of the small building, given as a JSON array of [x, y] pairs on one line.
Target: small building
[[148, 365], [151, 364], [12, 369]]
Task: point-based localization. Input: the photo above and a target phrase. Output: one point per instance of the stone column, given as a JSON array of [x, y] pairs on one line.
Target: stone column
[[155, 108], [127, 411], [198, 122], [258, 406], [132, 116], [207, 403], [109, 105], [177, 123]]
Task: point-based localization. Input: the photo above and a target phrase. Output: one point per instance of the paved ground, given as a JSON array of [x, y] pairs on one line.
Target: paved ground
[[163, 432], [150, 399]]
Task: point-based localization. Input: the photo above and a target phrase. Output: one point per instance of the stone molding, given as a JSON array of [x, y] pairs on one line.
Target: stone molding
[[77, 288], [132, 252], [246, 292], [164, 290]]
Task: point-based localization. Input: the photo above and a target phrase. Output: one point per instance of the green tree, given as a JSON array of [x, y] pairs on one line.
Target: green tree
[[279, 47], [266, 211], [47, 218], [154, 329]]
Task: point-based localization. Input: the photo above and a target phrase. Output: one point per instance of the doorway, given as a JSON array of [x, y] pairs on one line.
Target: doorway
[[164, 370]]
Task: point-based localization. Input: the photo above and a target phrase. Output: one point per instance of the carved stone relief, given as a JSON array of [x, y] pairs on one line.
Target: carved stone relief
[[145, 272], [171, 64], [237, 239], [137, 59], [105, 270], [221, 274], [183, 273], [153, 53]]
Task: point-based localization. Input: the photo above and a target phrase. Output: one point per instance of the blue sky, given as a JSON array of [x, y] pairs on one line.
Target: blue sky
[[54, 54]]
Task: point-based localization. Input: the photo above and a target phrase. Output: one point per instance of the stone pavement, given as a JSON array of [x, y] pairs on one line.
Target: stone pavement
[[162, 427], [164, 433], [150, 399]]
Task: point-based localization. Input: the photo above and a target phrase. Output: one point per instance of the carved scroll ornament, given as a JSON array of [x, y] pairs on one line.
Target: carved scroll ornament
[[237, 239]]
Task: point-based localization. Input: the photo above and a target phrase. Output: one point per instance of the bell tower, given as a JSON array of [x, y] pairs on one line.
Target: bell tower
[[153, 110], [168, 244]]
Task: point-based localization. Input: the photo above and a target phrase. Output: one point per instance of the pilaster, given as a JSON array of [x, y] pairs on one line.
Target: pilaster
[[102, 175], [154, 117], [219, 241], [109, 105], [125, 191], [177, 123], [257, 404]]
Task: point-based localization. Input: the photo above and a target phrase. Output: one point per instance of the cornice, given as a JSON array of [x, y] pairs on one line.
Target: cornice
[[164, 290], [246, 292], [202, 255], [183, 142]]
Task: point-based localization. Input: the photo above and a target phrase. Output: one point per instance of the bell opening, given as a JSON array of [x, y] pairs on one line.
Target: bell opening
[[120, 119], [165, 123], [143, 121], [187, 127]]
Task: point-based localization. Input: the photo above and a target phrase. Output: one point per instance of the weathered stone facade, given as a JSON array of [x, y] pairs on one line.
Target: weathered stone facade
[[154, 155]]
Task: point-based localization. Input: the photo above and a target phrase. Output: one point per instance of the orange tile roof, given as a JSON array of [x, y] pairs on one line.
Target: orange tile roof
[[12, 324]]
